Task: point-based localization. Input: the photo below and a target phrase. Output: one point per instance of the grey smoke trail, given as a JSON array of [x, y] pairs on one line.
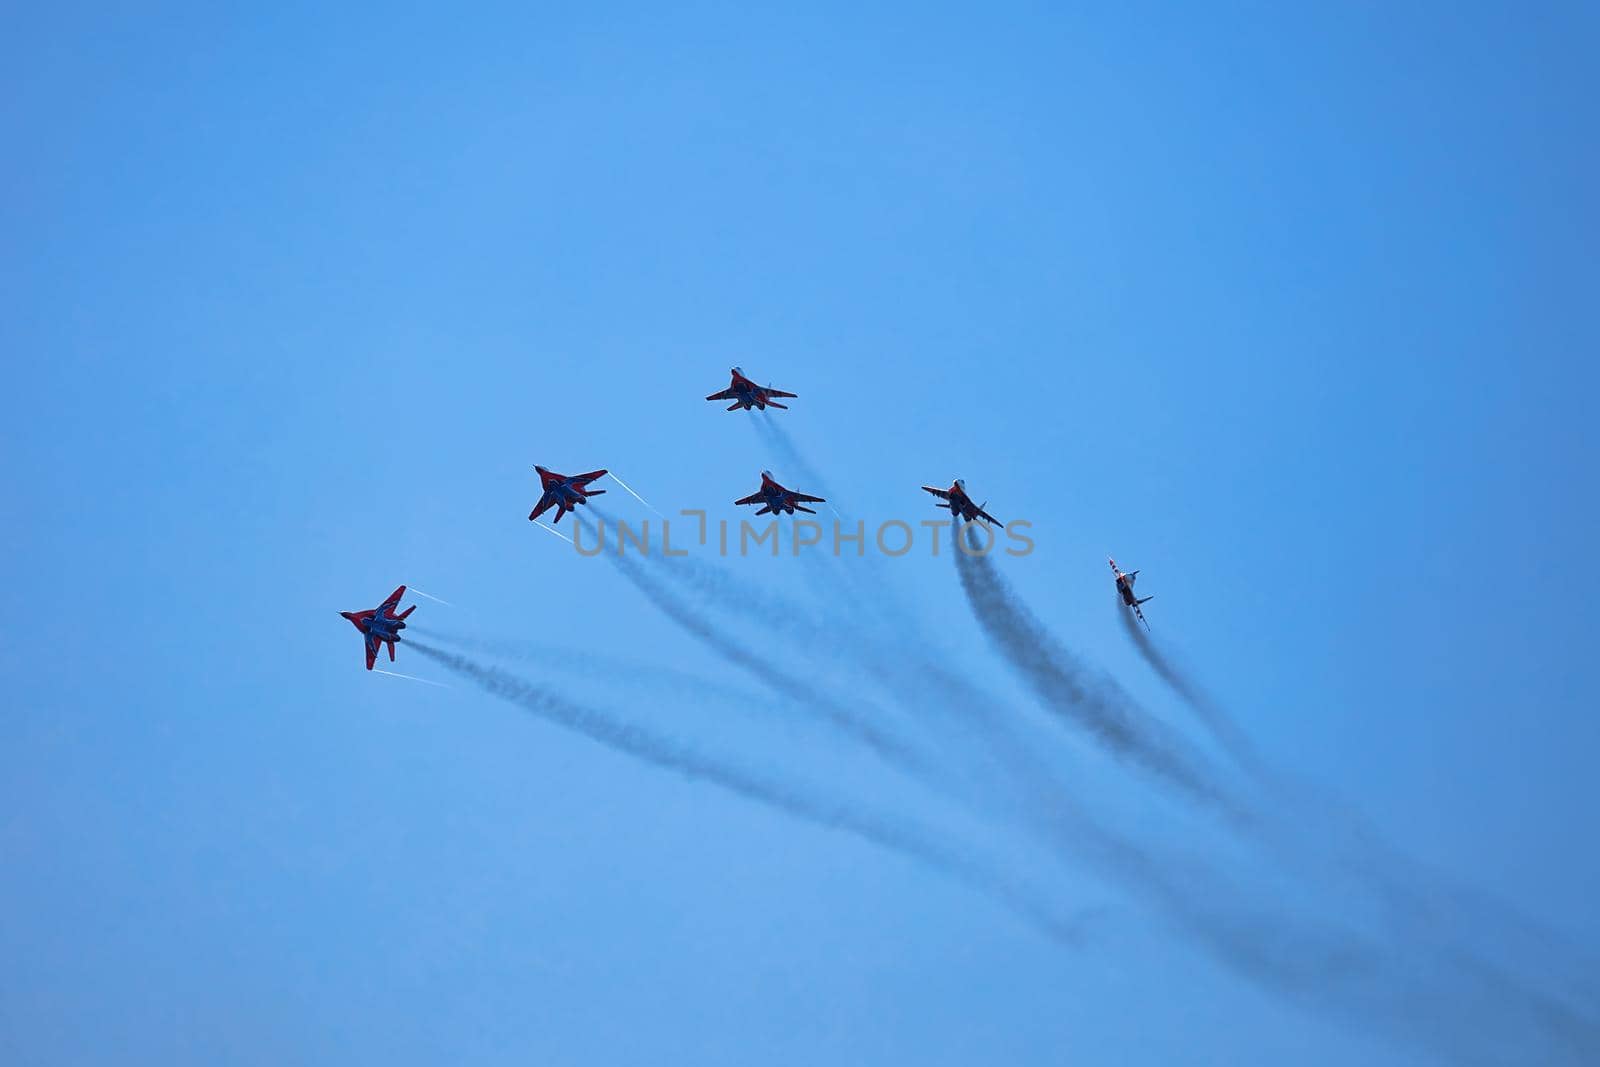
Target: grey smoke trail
[[1442, 1000], [1445, 1002], [1472, 1012], [1217, 721], [789, 456], [846, 719], [1421, 906], [1434, 993], [594, 665], [874, 828], [1067, 686]]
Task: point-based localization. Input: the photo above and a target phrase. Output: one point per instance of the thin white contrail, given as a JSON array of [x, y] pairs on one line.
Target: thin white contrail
[[553, 530], [429, 596], [635, 496], [408, 677]]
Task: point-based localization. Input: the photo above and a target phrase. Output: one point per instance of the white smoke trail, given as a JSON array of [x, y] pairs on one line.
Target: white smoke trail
[[429, 596]]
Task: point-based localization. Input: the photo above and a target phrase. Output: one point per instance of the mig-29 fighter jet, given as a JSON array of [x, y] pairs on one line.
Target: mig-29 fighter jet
[[564, 492], [1125, 590], [380, 625], [774, 497], [960, 504], [747, 394]]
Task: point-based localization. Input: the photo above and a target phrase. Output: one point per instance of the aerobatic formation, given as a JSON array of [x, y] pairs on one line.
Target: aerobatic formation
[[566, 493], [1431, 983]]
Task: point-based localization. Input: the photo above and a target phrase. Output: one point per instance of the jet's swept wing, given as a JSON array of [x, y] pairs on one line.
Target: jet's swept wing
[[751, 499], [372, 649], [940, 493], [388, 606], [807, 499], [542, 506]]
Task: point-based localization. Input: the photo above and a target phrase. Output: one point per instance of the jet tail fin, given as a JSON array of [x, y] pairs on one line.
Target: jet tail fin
[[594, 492], [1146, 600], [406, 612]]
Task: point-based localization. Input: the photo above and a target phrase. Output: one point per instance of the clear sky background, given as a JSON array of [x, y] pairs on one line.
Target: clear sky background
[[1292, 307]]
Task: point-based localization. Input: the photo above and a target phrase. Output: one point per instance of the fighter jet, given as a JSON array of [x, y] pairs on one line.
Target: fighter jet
[[960, 504], [774, 497], [747, 394], [380, 625], [1125, 590], [563, 492]]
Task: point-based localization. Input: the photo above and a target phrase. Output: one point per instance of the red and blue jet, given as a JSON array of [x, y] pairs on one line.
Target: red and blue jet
[[960, 504], [774, 497], [747, 394], [1125, 591], [564, 492], [380, 625]]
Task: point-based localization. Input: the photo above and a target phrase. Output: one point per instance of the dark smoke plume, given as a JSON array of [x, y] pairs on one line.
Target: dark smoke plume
[[1068, 687], [1216, 721], [847, 719]]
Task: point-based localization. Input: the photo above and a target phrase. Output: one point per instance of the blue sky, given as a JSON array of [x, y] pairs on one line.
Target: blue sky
[[1292, 309]]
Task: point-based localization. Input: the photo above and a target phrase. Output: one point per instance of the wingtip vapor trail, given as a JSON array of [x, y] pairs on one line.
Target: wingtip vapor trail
[[635, 496], [429, 596], [409, 678], [553, 530]]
